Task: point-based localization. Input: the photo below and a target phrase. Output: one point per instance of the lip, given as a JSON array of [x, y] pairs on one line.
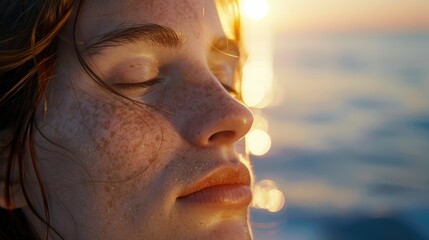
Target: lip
[[225, 187]]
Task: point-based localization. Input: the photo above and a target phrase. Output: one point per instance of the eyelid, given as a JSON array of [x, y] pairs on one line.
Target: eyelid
[[134, 70], [146, 83], [137, 88]]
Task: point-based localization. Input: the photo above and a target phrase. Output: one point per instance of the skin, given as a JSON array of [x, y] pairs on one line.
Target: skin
[[113, 169]]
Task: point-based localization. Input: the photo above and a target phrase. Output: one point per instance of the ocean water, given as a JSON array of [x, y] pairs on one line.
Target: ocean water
[[350, 132]]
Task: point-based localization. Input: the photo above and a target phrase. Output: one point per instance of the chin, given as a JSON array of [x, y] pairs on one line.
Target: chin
[[230, 230]]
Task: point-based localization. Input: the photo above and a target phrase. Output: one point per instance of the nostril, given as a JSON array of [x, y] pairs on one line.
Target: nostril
[[222, 137]]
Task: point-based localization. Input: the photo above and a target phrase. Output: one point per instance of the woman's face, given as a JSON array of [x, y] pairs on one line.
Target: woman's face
[[165, 169]]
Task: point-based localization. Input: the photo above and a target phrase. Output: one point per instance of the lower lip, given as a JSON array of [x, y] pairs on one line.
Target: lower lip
[[221, 196]]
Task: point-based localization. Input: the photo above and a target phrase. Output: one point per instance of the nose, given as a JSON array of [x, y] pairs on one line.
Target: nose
[[220, 120], [226, 127]]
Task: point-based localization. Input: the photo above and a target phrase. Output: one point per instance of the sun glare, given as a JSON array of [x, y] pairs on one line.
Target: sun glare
[[259, 142], [258, 73], [257, 82], [255, 9]]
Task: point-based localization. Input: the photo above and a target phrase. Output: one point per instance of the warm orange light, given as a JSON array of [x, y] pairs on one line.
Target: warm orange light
[[226, 11], [257, 82], [255, 9]]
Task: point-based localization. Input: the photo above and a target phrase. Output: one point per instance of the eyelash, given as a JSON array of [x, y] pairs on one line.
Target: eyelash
[[124, 87], [132, 87]]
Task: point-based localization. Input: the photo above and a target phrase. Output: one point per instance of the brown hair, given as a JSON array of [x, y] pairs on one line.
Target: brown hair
[[28, 46]]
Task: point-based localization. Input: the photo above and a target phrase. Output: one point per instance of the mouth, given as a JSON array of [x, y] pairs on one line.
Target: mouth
[[225, 187]]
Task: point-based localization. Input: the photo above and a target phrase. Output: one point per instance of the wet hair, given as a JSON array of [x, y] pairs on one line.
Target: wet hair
[[29, 34]]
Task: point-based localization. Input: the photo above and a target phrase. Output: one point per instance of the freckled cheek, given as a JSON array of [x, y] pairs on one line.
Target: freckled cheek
[[130, 149], [126, 139]]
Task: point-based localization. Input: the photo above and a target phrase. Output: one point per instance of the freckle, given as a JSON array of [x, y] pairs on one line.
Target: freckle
[[112, 134], [131, 66], [109, 204]]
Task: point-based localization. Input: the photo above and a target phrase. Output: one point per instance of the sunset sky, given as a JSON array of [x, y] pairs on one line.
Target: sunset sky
[[350, 15]]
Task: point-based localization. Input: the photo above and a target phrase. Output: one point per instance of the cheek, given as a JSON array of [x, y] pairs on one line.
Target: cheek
[[113, 140], [109, 160], [123, 139]]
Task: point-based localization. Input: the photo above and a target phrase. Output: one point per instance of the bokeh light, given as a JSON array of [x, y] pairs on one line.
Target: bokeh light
[[267, 196], [257, 81], [259, 121], [255, 9], [258, 74], [259, 142], [257, 89]]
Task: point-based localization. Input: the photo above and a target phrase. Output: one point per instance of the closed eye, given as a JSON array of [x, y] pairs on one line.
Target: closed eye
[[133, 88]]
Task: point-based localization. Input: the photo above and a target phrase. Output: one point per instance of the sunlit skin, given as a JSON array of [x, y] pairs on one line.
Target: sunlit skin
[[122, 167]]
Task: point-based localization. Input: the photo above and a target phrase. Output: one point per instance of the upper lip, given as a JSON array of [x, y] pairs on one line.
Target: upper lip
[[224, 175]]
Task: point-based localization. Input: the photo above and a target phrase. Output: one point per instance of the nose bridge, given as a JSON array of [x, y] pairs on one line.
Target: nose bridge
[[214, 117]]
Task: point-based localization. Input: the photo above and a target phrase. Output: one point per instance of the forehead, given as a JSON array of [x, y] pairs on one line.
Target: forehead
[[188, 17]]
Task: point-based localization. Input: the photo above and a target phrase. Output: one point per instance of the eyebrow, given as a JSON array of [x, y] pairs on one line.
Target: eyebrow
[[150, 34]]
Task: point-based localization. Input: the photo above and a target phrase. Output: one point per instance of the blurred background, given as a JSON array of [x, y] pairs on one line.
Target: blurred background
[[340, 92]]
